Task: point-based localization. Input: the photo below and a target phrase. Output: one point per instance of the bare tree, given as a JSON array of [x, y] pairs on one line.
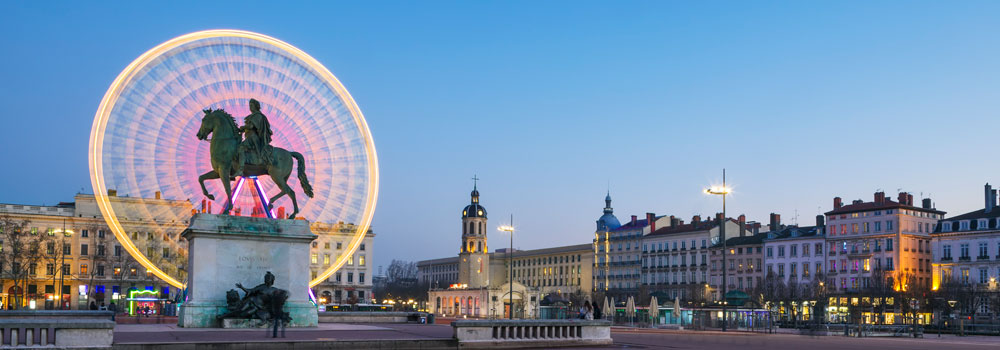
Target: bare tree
[[122, 265], [400, 283], [57, 250], [970, 298], [20, 251], [771, 291], [910, 294], [100, 241]]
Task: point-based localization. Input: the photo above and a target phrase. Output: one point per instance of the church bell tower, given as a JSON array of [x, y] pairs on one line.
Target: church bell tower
[[474, 260]]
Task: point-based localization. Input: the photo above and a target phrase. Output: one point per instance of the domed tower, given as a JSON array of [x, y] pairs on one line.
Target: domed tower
[[474, 260], [608, 221]]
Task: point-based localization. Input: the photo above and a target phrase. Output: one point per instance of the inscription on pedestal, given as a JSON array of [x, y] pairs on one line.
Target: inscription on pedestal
[[252, 263]]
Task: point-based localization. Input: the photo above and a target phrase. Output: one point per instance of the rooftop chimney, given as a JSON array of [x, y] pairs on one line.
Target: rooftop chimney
[[902, 198], [756, 228], [719, 218], [634, 218], [696, 219], [927, 203], [909, 199], [743, 225], [674, 221], [879, 198], [990, 197], [651, 221], [775, 221], [837, 203], [819, 220]]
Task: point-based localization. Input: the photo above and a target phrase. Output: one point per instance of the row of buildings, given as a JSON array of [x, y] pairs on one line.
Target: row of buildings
[[81, 262], [860, 259]]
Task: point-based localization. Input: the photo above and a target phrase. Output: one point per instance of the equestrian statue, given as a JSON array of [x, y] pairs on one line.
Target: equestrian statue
[[233, 155]]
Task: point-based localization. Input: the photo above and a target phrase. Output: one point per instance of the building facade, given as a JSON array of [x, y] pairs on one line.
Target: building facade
[[796, 255], [675, 257], [438, 273], [879, 239], [82, 262], [353, 282], [617, 254], [743, 264], [966, 259], [563, 270]]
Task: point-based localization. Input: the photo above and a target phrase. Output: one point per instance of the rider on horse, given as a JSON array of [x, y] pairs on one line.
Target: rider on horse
[[256, 146]]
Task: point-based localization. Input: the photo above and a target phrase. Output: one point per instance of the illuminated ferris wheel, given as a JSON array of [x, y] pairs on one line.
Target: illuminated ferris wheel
[[143, 142]]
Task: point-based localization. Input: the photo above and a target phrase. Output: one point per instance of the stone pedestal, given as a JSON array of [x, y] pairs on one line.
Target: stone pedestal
[[224, 250]]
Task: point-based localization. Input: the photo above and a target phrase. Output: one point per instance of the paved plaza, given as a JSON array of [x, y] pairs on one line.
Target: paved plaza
[[624, 338], [171, 333], [662, 339]]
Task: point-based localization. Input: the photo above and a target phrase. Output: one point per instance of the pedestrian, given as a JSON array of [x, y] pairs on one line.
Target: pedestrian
[[114, 310], [93, 305], [589, 310], [597, 312]]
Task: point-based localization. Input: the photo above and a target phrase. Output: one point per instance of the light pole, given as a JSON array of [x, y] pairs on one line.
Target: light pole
[[723, 191], [510, 262]]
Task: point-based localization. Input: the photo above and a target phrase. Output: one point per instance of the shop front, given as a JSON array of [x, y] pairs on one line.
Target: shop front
[[148, 303], [874, 310]]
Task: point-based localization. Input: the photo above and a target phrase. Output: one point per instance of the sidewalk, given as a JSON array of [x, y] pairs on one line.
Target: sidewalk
[[170, 333]]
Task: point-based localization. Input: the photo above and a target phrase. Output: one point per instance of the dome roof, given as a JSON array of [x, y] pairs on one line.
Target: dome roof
[[609, 221], [474, 211]]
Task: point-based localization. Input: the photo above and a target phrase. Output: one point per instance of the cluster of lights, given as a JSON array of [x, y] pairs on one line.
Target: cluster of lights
[[718, 190]]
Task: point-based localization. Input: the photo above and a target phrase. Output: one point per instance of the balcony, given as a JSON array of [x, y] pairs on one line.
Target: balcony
[[964, 258], [947, 258], [983, 257]]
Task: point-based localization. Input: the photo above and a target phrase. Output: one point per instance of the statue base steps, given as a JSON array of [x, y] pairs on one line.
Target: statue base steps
[[239, 323], [224, 250]]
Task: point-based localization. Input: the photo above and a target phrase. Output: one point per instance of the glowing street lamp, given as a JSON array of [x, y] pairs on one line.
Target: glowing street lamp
[[722, 191], [510, 262]]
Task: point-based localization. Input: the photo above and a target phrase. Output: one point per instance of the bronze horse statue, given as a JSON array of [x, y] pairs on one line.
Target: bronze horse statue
[[226, 138]]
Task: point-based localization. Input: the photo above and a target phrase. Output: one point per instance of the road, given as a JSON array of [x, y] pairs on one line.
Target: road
[[655, 339]]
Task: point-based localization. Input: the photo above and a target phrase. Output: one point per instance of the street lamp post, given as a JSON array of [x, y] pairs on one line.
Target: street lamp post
[[723, 191], [510, 262]]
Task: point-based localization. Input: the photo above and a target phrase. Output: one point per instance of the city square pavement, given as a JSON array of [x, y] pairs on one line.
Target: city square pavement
[[624, 338], [670, 339], [171, 333]]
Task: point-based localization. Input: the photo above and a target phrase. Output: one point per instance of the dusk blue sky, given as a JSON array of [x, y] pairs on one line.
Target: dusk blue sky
[[549, 102]]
